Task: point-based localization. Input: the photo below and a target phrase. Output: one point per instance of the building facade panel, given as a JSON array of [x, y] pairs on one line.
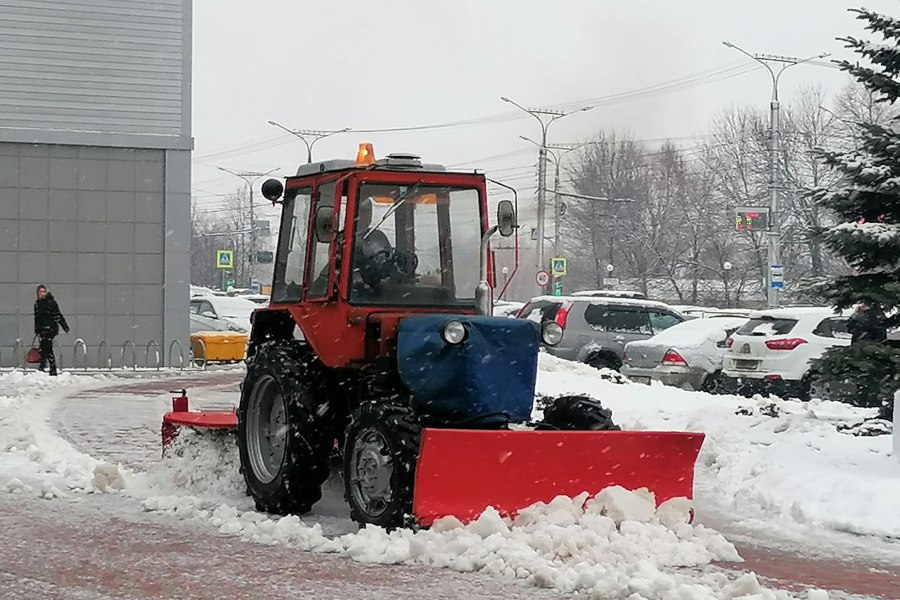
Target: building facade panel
[[116, 66]]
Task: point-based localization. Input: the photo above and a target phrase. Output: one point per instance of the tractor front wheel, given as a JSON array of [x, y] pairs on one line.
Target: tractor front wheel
[[282, 432], [380, 451], [577, 413]]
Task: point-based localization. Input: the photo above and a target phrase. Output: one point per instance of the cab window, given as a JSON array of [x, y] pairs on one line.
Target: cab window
[[321, 251], [289, 270]]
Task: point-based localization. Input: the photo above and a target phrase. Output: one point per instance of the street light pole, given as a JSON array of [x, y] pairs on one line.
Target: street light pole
[[545, 117], [774, 233], [561, 151], [315, 134], [250, 177]]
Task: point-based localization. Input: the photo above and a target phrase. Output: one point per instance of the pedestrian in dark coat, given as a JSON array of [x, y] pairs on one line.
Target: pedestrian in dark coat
[[47, 321]]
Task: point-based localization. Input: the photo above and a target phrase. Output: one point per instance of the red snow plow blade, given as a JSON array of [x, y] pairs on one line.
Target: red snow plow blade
[[462, 472], [198, 420], [181, 416]]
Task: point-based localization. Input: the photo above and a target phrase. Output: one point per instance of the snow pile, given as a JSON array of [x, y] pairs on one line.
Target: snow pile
[[616, 545], [26, 399], [784, 463], [198, 464]]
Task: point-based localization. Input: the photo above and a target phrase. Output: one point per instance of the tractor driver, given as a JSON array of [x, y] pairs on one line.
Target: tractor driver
[[366, 250], [367, 246], [375, 261]]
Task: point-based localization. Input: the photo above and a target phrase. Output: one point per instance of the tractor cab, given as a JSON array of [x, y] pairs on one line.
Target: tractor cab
[[364, 242]]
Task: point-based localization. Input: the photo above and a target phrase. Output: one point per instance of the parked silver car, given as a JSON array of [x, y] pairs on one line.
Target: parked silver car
[[687, 355], [596, 329]]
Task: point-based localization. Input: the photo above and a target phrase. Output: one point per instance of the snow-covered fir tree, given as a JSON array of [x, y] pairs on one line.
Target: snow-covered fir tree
[[866, 205], [868, 201]]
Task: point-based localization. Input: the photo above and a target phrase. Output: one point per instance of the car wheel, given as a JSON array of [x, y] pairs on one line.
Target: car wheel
[[601, 361], [805, 390], [714, 383]]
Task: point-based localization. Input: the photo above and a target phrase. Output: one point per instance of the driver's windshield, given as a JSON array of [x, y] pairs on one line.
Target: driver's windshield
[[416, 245]]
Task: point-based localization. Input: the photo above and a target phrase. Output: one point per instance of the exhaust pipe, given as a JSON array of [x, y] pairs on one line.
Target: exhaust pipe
[[483, 290]]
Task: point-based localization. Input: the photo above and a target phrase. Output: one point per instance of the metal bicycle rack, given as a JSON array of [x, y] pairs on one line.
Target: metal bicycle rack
[[109, 360], [18, 345], [133, 355], [194, 354], [153, 344], [81, 351], [180, 354], [79, 343]]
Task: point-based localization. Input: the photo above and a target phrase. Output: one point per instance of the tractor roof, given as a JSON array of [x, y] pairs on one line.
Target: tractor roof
[[393, 162]]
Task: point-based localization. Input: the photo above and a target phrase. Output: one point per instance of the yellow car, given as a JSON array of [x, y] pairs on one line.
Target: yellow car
[[217, 340]]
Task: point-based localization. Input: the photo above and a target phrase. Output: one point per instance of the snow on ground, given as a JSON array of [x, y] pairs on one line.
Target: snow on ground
[[27, 440], [796, 468]]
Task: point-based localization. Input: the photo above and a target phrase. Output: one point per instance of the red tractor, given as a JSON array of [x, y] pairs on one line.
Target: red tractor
[[379, 346]]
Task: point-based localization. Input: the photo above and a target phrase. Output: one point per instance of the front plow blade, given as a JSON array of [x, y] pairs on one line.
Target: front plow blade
[[462, 472]]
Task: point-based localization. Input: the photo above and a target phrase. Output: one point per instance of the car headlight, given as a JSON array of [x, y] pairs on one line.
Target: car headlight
[[454, 332], [551, 333]]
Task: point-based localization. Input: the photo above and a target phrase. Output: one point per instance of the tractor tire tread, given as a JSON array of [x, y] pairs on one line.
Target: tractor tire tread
[[299, 484], [578, 413], [400, 424]]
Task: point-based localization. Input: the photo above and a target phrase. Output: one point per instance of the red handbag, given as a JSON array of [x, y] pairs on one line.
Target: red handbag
[[33, 356]]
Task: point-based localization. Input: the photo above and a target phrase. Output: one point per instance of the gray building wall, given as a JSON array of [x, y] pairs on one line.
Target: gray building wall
[[95, 147], [105, 66]]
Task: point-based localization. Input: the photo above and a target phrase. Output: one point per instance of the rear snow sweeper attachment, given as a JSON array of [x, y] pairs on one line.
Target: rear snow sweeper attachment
[[379, 348]]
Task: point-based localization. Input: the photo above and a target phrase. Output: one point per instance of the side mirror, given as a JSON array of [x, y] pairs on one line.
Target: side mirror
[[272, 189], [506, 218], [325, 224]]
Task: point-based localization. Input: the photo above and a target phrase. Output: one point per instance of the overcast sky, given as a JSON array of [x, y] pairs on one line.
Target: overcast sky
[[386, 64]]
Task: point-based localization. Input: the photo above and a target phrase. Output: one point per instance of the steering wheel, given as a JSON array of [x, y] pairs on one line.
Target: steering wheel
[[389, 264]]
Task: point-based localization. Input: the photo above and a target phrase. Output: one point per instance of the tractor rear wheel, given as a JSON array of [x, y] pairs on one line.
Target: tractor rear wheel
[[283, 432], [577, 413], [380, 451]]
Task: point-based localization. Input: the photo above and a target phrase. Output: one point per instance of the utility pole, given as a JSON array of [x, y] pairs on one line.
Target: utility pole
[[545, 117], [250, 177], [774, 233], [557, 152], [314, 134]]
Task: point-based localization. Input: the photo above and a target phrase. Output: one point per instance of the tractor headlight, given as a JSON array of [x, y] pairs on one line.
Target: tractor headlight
[[454, 332], [551, 333]]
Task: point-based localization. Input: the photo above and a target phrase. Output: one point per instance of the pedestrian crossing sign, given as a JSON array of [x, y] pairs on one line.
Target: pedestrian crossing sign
[[558, 266], [225, 259]]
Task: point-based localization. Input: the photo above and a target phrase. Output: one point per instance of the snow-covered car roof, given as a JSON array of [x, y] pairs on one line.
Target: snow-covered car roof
[[604, 300], [232, 306], [693, 333], [799, 312], [200, 324], [255, 298], [611, 294], [706, 312]]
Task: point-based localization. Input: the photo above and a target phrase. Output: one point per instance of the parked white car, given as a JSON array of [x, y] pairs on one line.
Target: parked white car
[[774, 348], [236, 310]]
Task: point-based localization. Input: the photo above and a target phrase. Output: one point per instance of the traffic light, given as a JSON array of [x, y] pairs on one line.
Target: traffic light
[[557, 288]]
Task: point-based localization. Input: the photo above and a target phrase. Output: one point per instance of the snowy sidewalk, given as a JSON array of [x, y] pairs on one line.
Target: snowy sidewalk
[[120, 423], [95, 548]]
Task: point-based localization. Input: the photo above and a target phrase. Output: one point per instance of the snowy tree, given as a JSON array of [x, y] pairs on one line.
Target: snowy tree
[[867, 200], [866, 203]]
